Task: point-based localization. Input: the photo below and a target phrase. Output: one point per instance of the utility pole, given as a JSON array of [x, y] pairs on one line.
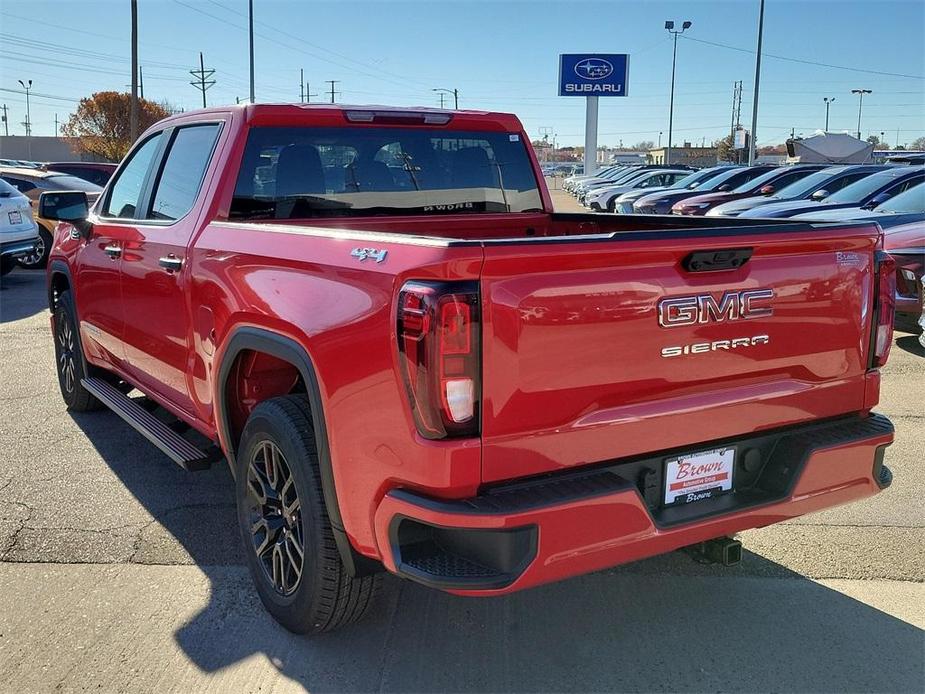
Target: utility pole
[[754, 133], [250, 28], [860, 93], [454, 92], [141, 81], [301, 86], [828, 102], [332, 83], [202, 81], [659, 140], [6, 124], [133, 109], [736, 108], [308, 93], [56, 125], [669, 25]]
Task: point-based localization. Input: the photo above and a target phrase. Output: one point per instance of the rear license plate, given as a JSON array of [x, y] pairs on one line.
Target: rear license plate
[[15, 217], [698, 476]]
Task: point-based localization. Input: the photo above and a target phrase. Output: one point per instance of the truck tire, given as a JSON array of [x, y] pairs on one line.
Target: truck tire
[[69, 363], [281, 511]]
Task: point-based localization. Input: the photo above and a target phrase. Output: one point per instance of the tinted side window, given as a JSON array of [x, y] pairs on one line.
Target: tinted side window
[[789, 178], [910, 182], [845, 181], [181, 177], [124, 194], [19, 184]]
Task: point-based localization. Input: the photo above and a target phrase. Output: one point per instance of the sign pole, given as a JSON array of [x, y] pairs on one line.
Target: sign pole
[[591, 135]]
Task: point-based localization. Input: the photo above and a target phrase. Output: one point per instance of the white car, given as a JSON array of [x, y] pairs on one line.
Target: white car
[[602, 199], [18, 231]]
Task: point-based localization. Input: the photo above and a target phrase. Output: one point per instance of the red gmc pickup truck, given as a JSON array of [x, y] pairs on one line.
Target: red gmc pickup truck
[[411, 362]]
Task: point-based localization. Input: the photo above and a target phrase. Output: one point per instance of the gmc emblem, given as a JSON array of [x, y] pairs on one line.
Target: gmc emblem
[[703, 308]]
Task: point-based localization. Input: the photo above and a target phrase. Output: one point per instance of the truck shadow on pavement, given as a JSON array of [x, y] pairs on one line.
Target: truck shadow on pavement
[[662, 624]]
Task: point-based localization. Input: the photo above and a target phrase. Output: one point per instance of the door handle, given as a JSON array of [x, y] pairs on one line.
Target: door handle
[[171, 263], [113, 251]]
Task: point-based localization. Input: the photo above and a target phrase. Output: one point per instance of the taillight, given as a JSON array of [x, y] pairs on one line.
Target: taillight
[[439, 346], [884, 308]]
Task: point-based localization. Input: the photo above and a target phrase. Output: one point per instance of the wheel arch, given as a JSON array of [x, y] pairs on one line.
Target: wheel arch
[[284, 348]]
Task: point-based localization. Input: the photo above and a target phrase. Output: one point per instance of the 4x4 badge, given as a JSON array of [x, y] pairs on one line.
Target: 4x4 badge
[[376, 254]]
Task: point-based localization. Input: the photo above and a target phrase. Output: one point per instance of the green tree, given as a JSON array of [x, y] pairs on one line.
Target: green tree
[[874, 140], [100, 125], [725, 150]]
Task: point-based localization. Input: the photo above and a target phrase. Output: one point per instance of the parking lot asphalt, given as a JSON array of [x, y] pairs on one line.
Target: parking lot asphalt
[[120, 571]]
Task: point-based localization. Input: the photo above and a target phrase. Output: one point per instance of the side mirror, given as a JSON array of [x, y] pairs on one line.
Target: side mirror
[[67, 206], [766, 190], [877, 200], [819, 195]]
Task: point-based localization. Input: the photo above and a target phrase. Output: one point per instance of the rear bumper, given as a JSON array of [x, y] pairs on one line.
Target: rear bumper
[[18, 249], [538, 531]]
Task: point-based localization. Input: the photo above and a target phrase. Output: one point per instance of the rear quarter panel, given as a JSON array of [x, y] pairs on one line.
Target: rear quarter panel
[[304, 284]]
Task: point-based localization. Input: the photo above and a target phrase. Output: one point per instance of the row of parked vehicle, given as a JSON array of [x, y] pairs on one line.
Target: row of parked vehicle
[[889, 194], [25, 237], [892, 194]]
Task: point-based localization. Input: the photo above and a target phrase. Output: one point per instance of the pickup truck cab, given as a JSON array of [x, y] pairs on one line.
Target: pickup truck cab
[[411, 362]]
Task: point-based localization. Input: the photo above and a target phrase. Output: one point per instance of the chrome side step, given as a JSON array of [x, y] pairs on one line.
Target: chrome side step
[[174, 446]]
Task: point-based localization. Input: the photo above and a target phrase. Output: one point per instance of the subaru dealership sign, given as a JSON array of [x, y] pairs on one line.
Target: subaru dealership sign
[[593, 74]]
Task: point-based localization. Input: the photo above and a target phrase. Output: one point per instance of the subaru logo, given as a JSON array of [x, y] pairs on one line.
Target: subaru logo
[[594, 69]]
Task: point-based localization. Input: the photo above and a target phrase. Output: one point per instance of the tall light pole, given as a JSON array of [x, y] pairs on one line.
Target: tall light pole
[[454, 92], [860, 93], [28, 86], [250, 35], [669, 25], [828, 102], [752, 138], [133, 107]]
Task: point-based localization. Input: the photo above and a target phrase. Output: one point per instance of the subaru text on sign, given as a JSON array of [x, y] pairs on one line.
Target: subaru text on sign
[[593, 74]]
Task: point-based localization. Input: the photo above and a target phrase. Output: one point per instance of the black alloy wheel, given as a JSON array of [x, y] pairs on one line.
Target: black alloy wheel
[[276, 517]]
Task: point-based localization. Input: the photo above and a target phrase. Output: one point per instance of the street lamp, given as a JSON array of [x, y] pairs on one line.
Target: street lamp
[[454, 92], [28, 123], [669, 25], [828, 101], [860, 93]]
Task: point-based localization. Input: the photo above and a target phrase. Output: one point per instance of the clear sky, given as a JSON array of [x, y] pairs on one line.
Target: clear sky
[[500, 55]]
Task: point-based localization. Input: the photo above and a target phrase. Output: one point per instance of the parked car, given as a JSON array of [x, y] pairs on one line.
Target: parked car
[[32, 183], [603, 198], [904, 208], [93, 171], [871, 190], [623, 203], [906, 243], [18, 231], [427, 370], [661, 202], [571, 181], [765, 185], [817, 186]]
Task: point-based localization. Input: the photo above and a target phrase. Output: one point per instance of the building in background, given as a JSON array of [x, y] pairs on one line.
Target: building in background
[[688, 155]]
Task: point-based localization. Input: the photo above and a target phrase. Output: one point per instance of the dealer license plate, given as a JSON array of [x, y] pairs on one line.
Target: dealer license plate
[[15, 217], [698, 476]]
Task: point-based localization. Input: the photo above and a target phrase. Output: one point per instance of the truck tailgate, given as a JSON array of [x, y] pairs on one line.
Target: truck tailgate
[[578, 367]]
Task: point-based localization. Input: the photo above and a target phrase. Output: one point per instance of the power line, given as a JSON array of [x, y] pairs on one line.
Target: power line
[[804, 62]]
